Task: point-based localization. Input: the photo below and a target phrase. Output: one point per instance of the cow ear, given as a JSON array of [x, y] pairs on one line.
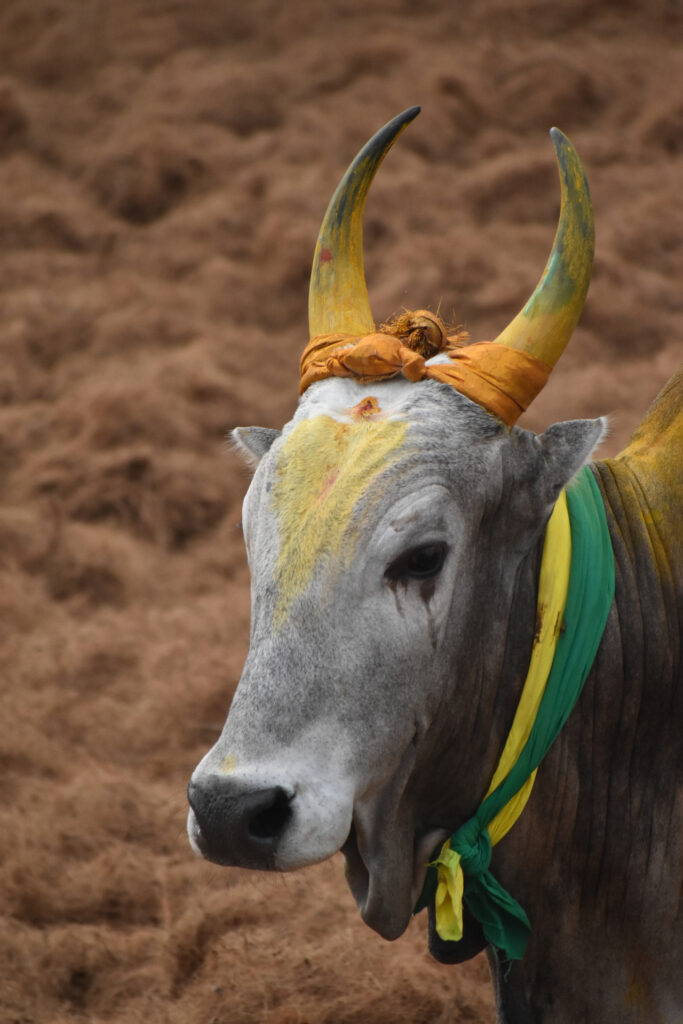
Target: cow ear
[[566, 447], [253, 442]]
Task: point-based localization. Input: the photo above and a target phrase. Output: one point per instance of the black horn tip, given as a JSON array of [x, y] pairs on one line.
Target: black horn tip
[[376, 148], [382, 140], [406, 116]]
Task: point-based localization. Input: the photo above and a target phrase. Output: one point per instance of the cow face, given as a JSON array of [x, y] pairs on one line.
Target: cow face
[[388, 533]]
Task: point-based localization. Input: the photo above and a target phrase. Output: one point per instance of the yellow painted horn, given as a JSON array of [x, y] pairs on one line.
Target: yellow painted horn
[[545, 324], [338, 297]]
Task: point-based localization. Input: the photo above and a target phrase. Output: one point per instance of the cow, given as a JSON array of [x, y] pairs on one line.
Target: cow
[[396, 531]]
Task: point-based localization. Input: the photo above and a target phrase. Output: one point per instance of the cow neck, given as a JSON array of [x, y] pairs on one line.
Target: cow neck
[[575, 593]]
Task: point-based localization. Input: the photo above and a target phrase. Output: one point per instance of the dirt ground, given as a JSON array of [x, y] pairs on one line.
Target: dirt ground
[[164, 167]]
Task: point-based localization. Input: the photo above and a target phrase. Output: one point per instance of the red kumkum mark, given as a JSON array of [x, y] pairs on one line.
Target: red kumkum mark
[[326, 255], [366, 409]]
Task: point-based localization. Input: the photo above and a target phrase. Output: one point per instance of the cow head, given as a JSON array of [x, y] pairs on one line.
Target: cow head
[[392, 531]]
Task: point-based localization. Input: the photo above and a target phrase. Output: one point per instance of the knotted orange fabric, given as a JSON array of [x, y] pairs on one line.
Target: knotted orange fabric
[[503, 380]]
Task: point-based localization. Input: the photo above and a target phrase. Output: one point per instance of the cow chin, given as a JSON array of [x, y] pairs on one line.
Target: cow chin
[[380, 888], [385, 870]]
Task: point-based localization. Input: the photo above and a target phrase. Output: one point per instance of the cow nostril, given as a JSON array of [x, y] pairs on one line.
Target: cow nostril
[[269, 822]]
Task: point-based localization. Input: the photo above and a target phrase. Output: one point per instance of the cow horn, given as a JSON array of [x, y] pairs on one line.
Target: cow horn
[[338, 297], [545, 324]]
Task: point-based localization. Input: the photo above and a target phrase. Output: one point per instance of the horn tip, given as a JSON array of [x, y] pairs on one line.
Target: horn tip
[[559, 139], [404, 118], [569, 161]]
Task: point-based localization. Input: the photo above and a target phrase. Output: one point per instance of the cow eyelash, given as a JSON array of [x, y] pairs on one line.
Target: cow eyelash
[[419, 563]]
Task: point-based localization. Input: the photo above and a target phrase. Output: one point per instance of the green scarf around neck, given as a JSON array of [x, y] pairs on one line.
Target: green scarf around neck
[[462, 865]]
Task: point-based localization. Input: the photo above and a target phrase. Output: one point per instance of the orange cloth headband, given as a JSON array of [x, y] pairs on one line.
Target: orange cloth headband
[[503, 380]]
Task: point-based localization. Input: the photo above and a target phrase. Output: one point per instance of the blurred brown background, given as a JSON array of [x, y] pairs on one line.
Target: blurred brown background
[[164, 166]]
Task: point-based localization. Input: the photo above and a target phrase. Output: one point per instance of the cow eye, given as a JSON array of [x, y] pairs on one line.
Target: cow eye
[[418, 564]]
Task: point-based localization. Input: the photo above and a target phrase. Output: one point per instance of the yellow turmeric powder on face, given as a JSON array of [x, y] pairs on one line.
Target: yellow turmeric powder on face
[[323, 470]]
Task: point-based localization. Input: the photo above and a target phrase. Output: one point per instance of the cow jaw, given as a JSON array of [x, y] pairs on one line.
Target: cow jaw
[[385, 858], [386, 884]]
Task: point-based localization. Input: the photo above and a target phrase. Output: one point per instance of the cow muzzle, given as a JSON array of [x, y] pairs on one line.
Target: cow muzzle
[[237, 824]]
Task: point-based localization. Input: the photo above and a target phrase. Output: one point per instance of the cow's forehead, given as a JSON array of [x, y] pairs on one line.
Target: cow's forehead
[[342, 399], [326, 483], [350, 449]]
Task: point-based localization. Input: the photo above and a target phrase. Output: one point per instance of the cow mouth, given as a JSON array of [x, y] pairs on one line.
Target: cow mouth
[[384, 886]]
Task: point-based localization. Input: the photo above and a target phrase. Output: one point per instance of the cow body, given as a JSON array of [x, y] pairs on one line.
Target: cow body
[[600, 845], [395, 531], [372, 709]]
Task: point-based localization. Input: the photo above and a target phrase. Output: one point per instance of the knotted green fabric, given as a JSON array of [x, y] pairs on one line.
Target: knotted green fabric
[[589, 598]]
